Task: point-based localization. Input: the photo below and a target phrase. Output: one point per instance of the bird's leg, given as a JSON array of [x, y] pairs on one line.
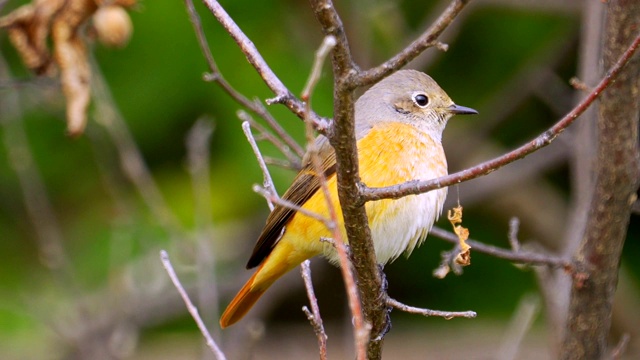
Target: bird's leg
[[383, 278], [385, 286]]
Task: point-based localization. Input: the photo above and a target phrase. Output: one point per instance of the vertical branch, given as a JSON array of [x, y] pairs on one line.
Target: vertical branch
[[615, 184], [343, 139], [555, 284], [361, 330]]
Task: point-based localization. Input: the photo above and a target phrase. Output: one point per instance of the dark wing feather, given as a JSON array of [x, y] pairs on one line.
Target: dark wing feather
[[305, 184]]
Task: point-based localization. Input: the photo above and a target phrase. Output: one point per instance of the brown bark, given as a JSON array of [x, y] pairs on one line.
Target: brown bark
[[616, 179]]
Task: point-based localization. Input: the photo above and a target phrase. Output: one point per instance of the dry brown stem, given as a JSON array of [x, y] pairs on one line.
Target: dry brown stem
[[314, 315]]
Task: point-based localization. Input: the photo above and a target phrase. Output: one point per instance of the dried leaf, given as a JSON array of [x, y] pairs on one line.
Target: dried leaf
[[455, 218], [71, 56], [31, 25], [28, 28]]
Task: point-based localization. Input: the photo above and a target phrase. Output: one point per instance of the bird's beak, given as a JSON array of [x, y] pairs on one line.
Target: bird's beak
[[461, 110]]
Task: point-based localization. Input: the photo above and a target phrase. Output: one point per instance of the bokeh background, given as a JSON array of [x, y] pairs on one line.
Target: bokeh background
[[511, 60]]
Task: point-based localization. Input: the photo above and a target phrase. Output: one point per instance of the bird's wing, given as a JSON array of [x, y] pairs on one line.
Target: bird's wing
[[305, 184]]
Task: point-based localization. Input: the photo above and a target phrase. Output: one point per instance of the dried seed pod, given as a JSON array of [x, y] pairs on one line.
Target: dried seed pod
[[113, 26]]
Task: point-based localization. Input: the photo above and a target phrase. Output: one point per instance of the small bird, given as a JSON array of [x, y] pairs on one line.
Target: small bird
[[399, 123]]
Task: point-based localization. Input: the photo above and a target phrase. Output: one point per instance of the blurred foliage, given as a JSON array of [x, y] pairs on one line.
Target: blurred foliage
[[157, 83]]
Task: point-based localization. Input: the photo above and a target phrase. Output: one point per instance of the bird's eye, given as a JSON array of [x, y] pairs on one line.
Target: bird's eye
[[421, 100]]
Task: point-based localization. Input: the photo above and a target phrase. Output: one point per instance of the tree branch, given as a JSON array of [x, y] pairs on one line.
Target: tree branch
[[275, 199], [267, 181], [448, 315], [614, 188], [215, 75], [329, 19], [282, 94], [131, 160], [544, 139], [425, 41], [361, 329], [343, 139], [314, 315], [293, 159], [517, 256]]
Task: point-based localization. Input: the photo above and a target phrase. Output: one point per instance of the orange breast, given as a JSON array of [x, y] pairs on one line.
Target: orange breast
[[388, 155]]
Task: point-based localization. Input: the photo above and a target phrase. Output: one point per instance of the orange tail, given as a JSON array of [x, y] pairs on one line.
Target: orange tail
[[242, 302], [278, 263], [251, 292]]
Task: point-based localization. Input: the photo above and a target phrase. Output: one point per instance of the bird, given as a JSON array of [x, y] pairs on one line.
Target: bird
[[398, 126]]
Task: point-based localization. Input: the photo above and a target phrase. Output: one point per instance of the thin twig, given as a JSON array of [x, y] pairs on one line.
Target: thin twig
[[448, 263], [525, 257], [40, 211], [621, 347], [428, 312], [514, 228], [281, 163], [314, 316], [282, 94], [197, 143], [328, 44], [265, 134], [267, 182], [255, 106], [282, 202], [426, 40], [164, 257], [421, 186]]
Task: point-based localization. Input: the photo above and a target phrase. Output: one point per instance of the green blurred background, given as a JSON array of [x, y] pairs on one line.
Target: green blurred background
[[112, 238]]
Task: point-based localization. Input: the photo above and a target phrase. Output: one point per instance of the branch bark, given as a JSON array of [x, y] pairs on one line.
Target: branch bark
[[342, 138], [615, 183]]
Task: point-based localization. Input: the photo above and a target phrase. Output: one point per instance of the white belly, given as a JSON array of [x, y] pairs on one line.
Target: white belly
[[404, 154]]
